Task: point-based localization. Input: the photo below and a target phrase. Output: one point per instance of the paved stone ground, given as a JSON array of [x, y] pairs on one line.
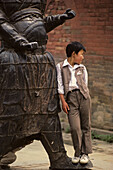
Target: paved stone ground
[[34, 157], [102, 156]]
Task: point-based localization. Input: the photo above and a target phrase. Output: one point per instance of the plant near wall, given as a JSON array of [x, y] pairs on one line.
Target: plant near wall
[[107, 138]]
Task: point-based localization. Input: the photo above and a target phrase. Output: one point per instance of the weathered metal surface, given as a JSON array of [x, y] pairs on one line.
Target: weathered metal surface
[[28, 86], [29, 102]]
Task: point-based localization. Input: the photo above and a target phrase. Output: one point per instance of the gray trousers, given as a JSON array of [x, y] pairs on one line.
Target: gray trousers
[[79, 117]]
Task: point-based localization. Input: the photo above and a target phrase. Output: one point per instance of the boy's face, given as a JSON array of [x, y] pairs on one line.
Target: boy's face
[[79, 57]]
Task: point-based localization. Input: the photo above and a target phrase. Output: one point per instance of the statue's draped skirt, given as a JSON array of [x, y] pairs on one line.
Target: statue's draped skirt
[[28, 94], [28, 82]]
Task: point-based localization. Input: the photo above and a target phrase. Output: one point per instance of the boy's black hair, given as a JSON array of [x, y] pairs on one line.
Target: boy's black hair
[[74, 46]]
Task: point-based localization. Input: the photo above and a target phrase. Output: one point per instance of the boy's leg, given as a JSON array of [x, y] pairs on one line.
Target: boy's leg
[[85, 110], [74, 120]]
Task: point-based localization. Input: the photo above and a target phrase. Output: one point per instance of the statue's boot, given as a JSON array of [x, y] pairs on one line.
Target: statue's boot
[[59, 160], [10, 157], [52, 143], [7, 159], [51, 138]]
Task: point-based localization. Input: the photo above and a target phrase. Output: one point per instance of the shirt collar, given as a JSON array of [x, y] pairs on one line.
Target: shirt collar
[[66, 63]]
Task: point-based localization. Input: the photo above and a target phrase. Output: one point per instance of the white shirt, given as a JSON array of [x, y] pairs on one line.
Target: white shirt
[[73, 82]]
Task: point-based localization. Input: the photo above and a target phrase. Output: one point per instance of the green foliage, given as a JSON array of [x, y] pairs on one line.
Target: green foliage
[[107, 138], [67, 130]]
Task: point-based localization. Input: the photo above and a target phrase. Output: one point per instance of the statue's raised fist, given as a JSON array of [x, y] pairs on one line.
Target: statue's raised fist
[[68, 14]]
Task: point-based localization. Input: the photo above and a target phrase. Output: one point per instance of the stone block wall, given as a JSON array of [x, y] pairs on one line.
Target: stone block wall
[[93, 27]]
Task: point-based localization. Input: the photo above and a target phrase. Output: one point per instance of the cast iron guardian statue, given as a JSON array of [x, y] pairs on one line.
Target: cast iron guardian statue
[[29, 103]]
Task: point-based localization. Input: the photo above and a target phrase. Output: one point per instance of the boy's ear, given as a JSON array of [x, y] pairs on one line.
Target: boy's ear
[[73, 53]]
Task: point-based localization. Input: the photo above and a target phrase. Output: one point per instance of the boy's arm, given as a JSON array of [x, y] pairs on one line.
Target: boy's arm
[[65, 106]]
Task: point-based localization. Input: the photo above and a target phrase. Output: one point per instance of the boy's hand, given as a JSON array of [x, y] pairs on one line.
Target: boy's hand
[[65, 107]]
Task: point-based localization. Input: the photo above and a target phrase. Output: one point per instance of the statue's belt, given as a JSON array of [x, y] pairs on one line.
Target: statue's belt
[[25, 12]]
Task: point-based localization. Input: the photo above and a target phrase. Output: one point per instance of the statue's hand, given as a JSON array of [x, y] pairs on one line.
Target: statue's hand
[[22, 44], [29, 46], [69, 14]]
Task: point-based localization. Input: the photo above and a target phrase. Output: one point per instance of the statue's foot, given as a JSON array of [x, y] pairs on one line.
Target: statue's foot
[[65, 163], [9, 158]]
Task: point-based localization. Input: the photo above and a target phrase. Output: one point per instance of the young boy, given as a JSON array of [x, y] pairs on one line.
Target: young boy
[[74, 94]]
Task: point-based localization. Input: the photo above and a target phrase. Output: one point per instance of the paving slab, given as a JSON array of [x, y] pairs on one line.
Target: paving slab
[[34, 156]]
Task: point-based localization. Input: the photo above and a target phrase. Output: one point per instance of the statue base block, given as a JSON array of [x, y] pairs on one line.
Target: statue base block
[[78, 166], [4, 167]]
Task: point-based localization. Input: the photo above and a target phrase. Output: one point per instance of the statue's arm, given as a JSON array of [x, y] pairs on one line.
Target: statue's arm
[[9, 34], [53, 21]]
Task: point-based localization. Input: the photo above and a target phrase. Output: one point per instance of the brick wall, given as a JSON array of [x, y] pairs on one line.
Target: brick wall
[[92, 26]]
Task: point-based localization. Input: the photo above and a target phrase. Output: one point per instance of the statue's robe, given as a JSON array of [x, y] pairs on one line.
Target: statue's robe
[[28, 83]]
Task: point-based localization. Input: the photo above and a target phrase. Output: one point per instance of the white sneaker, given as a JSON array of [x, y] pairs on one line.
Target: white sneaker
[[84, 159], [75, 160]]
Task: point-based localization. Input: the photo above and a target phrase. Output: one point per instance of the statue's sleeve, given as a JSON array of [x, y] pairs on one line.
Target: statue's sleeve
[[8, 32], [52, 22]]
